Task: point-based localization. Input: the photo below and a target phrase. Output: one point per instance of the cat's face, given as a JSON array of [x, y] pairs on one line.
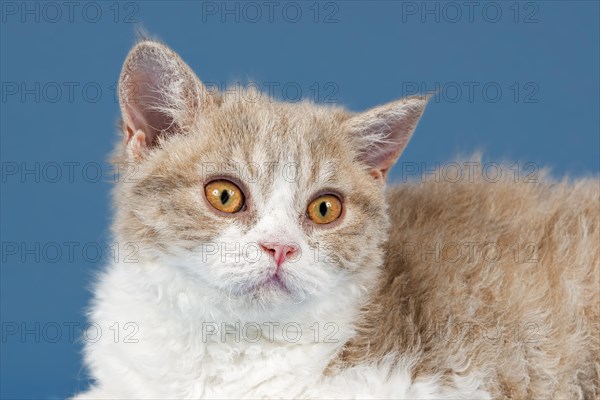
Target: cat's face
[[270, 206]]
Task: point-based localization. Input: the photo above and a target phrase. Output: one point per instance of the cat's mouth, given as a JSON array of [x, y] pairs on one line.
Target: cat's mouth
[[277, 282], [273, 283]]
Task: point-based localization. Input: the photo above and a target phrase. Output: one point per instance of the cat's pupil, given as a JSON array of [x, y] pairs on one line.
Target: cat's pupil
[[225, 197], [323, 208]]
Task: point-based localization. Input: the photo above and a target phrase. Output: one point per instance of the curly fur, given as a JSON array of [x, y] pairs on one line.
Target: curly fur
[[379, 304]]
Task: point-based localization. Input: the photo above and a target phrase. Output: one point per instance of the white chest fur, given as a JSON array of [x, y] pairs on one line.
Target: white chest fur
[[169, 351]]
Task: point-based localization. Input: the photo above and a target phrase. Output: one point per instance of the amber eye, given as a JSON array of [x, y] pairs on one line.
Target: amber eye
[[224, 196], [325, 209]]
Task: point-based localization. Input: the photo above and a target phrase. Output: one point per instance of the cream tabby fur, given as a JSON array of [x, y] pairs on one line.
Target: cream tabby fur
[[365, 312]]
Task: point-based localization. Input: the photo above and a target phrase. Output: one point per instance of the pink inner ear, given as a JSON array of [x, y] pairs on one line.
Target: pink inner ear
[[139, 110], [381, 164], [158, 93], [377, 174], [132, 122], [385, 131], [137, 146], [382, 157]]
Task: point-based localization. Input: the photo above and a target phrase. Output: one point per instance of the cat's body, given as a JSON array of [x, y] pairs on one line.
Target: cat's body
[[494, 279], [273, 299]]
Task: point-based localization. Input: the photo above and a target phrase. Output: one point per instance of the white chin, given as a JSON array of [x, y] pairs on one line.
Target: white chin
[[271, 295]]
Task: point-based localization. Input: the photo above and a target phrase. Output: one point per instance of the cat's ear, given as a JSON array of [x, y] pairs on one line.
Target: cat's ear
[[383, 132], [159, 96]]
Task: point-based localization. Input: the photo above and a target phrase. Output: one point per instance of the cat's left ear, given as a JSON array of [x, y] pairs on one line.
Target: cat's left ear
[[382, 133]]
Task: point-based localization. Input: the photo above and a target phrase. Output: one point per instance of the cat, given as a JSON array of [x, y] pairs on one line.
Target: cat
[[273, 261]]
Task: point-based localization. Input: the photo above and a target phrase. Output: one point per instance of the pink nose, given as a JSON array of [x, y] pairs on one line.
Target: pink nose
[[279, 251]]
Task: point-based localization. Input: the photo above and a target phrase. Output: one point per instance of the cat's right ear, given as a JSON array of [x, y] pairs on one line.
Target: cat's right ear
[[159, 95]]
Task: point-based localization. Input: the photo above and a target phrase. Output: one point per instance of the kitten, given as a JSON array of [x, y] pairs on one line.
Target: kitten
[[271, 261]]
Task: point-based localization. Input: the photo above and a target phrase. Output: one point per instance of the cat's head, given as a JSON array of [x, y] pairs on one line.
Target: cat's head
[[269, 206]]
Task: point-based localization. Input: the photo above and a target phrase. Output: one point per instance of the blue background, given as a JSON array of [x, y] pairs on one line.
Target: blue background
[[367, 54]]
